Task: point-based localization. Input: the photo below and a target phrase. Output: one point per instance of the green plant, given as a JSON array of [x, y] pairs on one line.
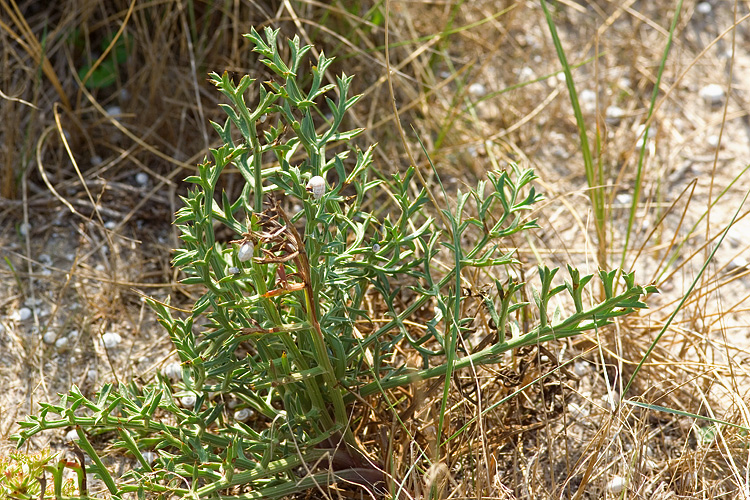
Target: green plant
[[22, 476], [283, 330]]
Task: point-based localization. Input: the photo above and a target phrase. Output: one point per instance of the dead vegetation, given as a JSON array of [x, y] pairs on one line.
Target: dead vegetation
[[105, 110]]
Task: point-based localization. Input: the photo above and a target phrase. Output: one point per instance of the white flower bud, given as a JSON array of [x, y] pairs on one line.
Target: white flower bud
[[245, 252], [316, 186]]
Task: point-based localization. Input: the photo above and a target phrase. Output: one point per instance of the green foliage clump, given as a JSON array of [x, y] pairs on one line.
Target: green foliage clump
[[281, 345]]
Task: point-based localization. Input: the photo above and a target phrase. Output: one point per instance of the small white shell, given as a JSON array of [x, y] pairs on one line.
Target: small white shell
[[173, 371], [243, 415], [616, 485], [187, 401], [316, 186], [245, 252]]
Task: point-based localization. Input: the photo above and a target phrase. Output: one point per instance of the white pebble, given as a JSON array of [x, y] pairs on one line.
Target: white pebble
[[187, 401], [316, 186], [23, 228], [712, 140], [173, 371], [738, 262], [713, 94], [243, 415], [49, 337], [32, 302], [110, 224], [624, 83], [581, 368], [703, 8], [111, 340], [614, 114], [616, 485], [45, 260], [587, 99], [477, 89], [526, 74], [91, 375], [23, 314], [141, 178], [232, 404], [576, 411], [624, 199], [61, 343], [245, 252], [71, 435], [114, 110], [73, 335], [96, 160], [234, 270]]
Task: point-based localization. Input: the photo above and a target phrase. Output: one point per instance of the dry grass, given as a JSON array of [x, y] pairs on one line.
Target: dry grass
[[85, 231]]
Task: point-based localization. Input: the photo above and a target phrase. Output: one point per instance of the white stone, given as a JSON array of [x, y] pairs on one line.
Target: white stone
[[703, 8], [581, 368], [616, 485], [576, 411], [110, 224], [114, 110], [188, 401], [477, 89], [23, 314], [234, 270], [71, 435], [73, 335], [526, 74], [96, 160], [738, 262], [49, 337], [713, 94], [712, 140], [587, 96], [614, 114], [141, 178], [624, 199], [23, 228], [111, 340], [91, 375]]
